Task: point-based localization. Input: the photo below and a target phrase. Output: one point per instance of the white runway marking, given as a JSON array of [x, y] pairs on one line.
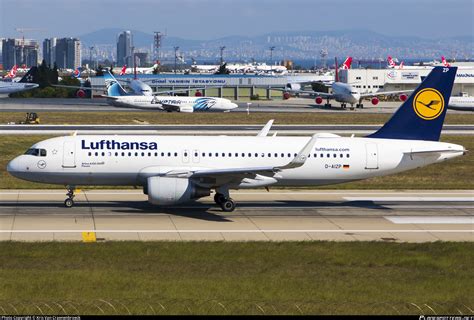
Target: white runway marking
[[245, 231], [410, 198], [431, 220]]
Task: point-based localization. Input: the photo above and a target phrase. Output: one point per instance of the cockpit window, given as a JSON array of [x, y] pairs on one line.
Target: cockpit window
[[36, 152]]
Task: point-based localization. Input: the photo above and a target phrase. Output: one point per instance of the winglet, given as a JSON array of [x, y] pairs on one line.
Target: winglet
[[265, 129], [301, 157]]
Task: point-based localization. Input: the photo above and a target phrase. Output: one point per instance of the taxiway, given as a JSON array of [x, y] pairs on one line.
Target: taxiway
[[402, 216]]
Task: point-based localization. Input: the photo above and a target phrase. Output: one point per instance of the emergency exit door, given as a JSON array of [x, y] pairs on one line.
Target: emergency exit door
[[372, 156]]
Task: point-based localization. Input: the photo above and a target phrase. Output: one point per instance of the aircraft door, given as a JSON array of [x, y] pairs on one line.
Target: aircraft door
[[185, 156], [69, 154], [372, 156], [196, 156]]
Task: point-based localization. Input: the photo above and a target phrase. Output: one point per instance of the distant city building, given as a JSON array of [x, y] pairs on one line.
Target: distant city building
[[141, 59], [124, 48], [68, 53], [20, 52], [49, 51]]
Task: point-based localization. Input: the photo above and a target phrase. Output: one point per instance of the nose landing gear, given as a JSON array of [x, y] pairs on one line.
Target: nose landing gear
[[69, 202]]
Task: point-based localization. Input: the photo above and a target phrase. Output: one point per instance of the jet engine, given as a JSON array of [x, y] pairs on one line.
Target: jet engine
[[375, 101], [318, 100], [403, 97], [168, 191], [80, 93], [293, 86], [286, 95]]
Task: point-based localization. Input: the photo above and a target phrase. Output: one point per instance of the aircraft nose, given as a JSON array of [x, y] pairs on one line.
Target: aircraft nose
[[233, 105], [14, 166]]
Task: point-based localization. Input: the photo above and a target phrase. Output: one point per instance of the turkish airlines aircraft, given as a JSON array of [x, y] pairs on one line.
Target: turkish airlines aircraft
[[12, 73], [345, 93], [177, 169]]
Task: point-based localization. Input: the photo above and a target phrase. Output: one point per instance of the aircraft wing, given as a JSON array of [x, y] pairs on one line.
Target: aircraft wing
[[77, 87], [169, 107], [316, 93], [225, 174], [384, 93]]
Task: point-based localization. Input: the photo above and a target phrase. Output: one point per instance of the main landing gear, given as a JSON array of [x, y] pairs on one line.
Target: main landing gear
[[223, 200], [69, 202], [360, 105]]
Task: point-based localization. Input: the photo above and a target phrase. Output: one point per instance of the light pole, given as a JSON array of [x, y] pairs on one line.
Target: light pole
[[222, 54], [175, 57], [90, 59], [271, 57]]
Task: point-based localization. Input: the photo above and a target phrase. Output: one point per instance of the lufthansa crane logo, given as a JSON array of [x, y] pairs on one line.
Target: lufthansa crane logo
[[428, 104]]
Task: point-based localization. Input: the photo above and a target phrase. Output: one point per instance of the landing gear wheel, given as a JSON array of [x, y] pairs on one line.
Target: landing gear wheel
[[228, 205], [219, 198], [68, 203]]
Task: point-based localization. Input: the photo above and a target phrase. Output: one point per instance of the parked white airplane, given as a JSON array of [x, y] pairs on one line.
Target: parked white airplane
[[26, 83], [345, 93], [461, 103], [177, 169], [118, 97], [140, 70]]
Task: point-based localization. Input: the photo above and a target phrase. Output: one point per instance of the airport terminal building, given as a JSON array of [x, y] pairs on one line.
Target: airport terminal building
[[249, 86], [231, 86], [373, 80]]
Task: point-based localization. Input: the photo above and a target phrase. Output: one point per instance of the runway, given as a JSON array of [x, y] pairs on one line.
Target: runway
[[209, 129], [278, 215], [99, 104]]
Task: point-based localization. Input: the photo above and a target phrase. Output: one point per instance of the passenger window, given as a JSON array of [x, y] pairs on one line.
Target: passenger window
[[175, 154], [223, 154], [169, 154], [328, 155], [123, 154], [143, 154], [243, 155], [162, 154], [269, 155], [335, 155], [315, 155], [236, 154], [149, 154], [217, 154], [256, 155], [276, 155], [96, 154], [195, 154], [129, 154], [341, 155], [89, 154], [210, 154], [136, 154], [103, 154], [347, 155], [185, 154], [116, 154], [230, 154]]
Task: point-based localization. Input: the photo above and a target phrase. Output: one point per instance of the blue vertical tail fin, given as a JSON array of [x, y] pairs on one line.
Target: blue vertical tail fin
[[114, 89], [421, 116]]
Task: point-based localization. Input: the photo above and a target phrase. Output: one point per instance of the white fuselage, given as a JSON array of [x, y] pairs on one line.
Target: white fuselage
[[7, 87], [462, 103], [345, 93], [130, 160], [182, 104]]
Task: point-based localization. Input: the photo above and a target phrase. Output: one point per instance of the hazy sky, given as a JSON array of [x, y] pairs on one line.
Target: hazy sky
[[207, 19]]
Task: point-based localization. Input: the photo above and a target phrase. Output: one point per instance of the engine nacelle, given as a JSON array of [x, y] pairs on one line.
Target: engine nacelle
[[293, 86], [318, 100], [286, 95], [167, 190], [375, 101], [80, 93], [403, 97], [187, 109]]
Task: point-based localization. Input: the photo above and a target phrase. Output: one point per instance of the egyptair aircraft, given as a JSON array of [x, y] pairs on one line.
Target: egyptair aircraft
[[177, 169], [117, 96]]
